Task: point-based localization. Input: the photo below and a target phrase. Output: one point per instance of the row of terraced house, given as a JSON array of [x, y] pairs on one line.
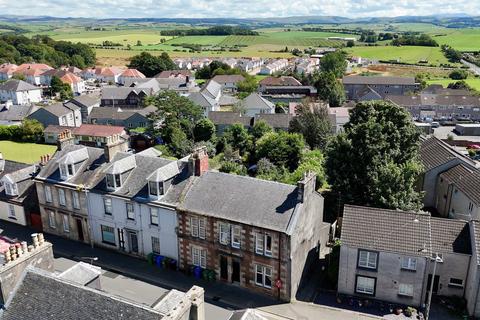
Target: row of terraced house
[[249, 232]]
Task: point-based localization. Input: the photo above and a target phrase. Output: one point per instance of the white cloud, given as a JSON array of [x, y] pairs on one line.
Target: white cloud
[[233, 8]]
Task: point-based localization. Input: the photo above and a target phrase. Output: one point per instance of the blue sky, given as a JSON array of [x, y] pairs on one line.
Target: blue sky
[[235, 8]]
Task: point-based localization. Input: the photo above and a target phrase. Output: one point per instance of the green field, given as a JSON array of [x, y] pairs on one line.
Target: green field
[[25, 152], [405, 54], [473, 82], [460, 39]]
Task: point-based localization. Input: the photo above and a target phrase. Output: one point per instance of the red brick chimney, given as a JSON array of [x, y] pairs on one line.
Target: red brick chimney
[[199, 161]]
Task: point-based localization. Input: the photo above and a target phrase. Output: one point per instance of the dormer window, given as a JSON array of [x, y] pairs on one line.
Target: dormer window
[[155, 188], [67, 171], [114, 181], [11, 189]]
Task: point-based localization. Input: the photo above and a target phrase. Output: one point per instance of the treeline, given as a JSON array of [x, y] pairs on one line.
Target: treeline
[[12, 28], [334, 30], [43, 49], [451, 54], [415, 40], [213, 31], [28, 131]]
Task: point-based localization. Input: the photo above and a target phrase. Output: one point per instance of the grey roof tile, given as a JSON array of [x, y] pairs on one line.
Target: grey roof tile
[[434, 153], [17, 85], [466, 180], [378, 80], [450, 236]]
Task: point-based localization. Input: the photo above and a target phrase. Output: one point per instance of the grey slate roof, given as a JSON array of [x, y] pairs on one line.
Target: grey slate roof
[[466, 180], [17, 85], [121, 93], [450, 236], [22, 174], [256, 101], [117, 113], [378, 80], [86, 100], [234, 78], [16, 113], [251, 201], [386, 230], [212, 89], [40, 295], [57, 109], [434, 153], [86, 174], [202, 99], [275, 120], [228, 117]]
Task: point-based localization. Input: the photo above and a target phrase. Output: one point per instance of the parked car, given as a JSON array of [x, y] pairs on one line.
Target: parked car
[[473, 147], [435, 124]]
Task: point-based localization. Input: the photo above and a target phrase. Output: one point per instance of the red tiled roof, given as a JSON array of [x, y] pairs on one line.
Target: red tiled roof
[[132, 73], [96, 130], [32, 68], [8, 68], [107, 71], [70, 78]]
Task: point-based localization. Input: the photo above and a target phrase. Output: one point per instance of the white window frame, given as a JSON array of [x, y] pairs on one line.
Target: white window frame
[[236, 237], [261, 241], [107, 206], [130, 213], [66, 223], [76, 199], [409, 263], [114, 180], [405, 289], [198, 227], [199, 257], [154, 218], [265, 273], [155, 245], [268, 249], [11, 189], [11, 211], [457, 285], [62, 200], [365, 259], [102, 227], [51, 219], [48, 194], [224, 233], [361, 288]]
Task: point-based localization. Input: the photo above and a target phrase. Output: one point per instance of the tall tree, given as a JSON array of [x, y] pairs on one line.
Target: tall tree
[[375, 161], [334, 62], [313, 123], [283, 149], [329, 88], [151, 65], [237, 137]]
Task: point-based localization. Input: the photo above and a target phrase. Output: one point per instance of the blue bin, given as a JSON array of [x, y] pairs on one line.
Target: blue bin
[[197, 272], [159, 260]]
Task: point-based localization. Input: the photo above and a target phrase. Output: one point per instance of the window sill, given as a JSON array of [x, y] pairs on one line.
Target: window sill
[[365, 294], [408, 270], [12, 218], [109, 243], [404, 296], [455, 286], [367, 269]]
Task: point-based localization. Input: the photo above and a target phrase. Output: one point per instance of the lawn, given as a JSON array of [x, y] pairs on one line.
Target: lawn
[[407, 54], [25, 152], [473, 82]]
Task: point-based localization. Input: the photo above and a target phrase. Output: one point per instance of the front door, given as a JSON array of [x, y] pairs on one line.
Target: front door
[[436, 281], [235, 271], [80, 230], [121, 239], [133, 241], [223, 268]]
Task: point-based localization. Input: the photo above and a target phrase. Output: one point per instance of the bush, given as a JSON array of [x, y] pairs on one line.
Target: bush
[[458, 74]]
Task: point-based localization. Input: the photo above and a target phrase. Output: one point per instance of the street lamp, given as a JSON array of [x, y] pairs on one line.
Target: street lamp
[[435, 260]]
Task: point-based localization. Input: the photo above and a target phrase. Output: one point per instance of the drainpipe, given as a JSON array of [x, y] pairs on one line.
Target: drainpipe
[[279, 261]]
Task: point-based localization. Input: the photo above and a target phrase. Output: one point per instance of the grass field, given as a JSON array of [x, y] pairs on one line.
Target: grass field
[[25, 152], [461, 39], [473, 82], [404, 54]]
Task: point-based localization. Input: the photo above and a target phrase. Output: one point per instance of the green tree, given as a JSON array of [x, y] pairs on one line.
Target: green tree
[[350, 43], [312, 160], [259, 129], [63, 89], [458, 74], [204, 130], [421, 79], [334, 62], [329, 88], [282, 149], [173, 112], [31, 130], [249, 85], [313, 123], [150, 65], [237, 137], [375, 161], [179, 144]]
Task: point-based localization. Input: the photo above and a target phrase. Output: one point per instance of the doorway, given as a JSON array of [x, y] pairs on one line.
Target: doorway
[[436, 281], [235, 271], [133, 239], [80, 230], [223, 268]]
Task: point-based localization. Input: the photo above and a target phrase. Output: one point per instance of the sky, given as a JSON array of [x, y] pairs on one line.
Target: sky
[[235, 8]]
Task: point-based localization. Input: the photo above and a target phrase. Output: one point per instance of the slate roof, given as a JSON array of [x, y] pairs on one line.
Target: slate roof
[[434, 153], [117, 113], [142, 166], [57, 109], [256, 202], [228, 117], [280, 81], [202, 99], [434, 100], [174, 73], [275, 120], [466, 180], [256, 101], [121, 93], [40, 295], [85, 100], [374, 80], [439, 89], [17, 86], [86, 174], [16, 113], [212, 89], [22, 174], [450, 236], [386, 230]]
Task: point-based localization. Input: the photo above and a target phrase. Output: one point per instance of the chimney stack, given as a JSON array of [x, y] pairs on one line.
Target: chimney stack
[[306, 186], [65, 138], [199, 161]]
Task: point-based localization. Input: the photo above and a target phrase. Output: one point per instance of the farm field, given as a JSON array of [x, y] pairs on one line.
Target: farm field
[[25, 152], [461, 39], [407, 54], [473, 82]]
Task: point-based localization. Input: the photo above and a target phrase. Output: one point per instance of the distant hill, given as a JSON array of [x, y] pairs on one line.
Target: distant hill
[[459, 20]]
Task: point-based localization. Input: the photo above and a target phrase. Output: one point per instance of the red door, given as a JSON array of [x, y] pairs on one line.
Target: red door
[[36, 221]]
